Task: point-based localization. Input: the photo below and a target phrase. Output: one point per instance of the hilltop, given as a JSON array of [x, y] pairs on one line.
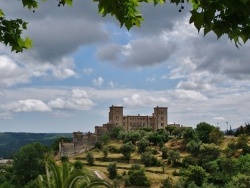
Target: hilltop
[[10, 142]]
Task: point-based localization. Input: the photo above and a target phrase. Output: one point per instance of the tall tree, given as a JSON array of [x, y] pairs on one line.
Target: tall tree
[[28, 163], [203, 130]]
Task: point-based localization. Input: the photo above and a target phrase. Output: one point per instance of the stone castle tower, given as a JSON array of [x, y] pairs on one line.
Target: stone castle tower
[[158, 120], [160, 117], [116, 115]]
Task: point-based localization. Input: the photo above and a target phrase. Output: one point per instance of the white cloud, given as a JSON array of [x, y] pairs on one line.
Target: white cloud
[[63, 73], [78, 100], [28, 105], [64, 69], [188, 94], [144, 100], [98, 81], [11, 73]]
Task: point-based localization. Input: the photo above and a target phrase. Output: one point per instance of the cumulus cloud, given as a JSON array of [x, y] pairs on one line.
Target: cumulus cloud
[[64, 69], [11, 73], [28, 105], [78, 100], [189, 94], [145, 100], [98, 81]]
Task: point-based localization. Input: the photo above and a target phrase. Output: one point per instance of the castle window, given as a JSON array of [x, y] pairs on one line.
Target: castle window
[[117, 117], [162, 118], [162, 124]]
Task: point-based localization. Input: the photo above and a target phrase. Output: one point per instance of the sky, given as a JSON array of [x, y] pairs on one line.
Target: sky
[[82, 63]]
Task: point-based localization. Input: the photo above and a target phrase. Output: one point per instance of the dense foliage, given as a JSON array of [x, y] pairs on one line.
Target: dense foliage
[[28, 163], [231, 18]]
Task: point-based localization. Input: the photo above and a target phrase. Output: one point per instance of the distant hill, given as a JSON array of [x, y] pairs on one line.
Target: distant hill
[[10, 142]]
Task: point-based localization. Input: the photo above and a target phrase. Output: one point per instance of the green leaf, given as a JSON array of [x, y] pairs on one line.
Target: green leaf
[[244, 38], [30, 3], [69, 2], [197, 18], [218, 33], [1, 13], [206, 30], [28, 43]]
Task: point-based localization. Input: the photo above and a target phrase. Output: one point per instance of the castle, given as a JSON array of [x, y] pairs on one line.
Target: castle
[[158, 120]]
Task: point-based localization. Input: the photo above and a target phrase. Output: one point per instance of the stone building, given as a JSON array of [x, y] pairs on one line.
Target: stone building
[[158, 120]]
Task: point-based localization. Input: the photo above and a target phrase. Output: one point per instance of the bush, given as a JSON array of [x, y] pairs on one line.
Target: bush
[[148, 159], [90, 159], [164, 153], [78, 165], [137, 177], [112, 169]]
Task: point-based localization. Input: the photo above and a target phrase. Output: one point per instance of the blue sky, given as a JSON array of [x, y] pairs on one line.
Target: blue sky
[[82, 63]]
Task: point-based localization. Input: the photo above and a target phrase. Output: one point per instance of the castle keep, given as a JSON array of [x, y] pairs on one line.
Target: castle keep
[[158, 120]]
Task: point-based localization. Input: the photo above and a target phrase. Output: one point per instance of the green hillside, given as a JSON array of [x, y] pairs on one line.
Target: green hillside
[[10, 142]]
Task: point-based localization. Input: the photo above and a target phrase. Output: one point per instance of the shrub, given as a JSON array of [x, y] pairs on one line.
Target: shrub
[[78, 165], [137, 177], [90, 159], [112, 169]]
